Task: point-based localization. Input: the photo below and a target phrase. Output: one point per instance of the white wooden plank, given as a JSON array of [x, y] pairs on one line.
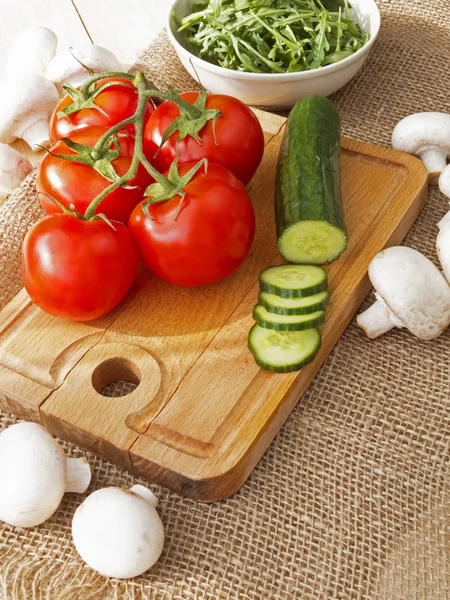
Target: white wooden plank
[[125, 28], [58, 15]]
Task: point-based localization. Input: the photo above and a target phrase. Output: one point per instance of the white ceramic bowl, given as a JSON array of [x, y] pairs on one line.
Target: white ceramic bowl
[[277, 90]]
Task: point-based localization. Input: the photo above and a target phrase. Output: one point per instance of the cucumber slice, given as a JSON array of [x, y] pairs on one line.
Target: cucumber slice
[[293, 281], [287, 322], [312, 242], [283, 352], [293, 306]]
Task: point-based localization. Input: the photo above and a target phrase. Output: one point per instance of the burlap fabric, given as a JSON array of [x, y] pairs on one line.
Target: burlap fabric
[[352, 500]]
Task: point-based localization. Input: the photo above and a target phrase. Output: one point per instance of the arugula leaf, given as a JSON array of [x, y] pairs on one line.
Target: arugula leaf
[[333, 5], [272, 36]]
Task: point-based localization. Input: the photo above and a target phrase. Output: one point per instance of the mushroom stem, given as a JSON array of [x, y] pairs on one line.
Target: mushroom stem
[[13, 169], [78, 475], [376, 320], [434, 159], [145, 493], [37, 134]]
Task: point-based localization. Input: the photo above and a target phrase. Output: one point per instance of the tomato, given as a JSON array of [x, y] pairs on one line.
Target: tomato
[[118, 102], [78, 269], [238, 143], [77, 184], [210, 237]]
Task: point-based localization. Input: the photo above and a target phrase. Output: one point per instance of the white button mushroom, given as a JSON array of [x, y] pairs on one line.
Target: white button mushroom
[[14, 167], [65, 68], [444, 186], [26, 104], [31, 52], [443, 238], [35, 474], [411, 293], [444, 181], [118, 532], [427, 135], [443, 247]]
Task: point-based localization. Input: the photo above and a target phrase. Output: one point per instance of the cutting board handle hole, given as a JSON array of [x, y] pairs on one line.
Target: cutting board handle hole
[[116, 377]]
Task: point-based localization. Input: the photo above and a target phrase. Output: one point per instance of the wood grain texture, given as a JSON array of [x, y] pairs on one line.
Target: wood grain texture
[[203, 413], [58, 15], [125, 28]]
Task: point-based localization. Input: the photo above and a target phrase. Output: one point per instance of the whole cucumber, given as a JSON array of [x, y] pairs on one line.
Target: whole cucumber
[[308, 206]]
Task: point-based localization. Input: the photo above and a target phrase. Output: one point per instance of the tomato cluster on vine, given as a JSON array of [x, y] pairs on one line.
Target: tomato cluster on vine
[[124, 180]]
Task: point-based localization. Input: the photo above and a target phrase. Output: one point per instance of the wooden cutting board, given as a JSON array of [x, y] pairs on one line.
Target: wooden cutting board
[[203, 413]]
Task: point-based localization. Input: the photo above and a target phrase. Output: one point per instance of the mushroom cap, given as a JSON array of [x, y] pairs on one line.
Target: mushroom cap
[[23, 101], [65, 68], [413, 289], [32, 475], [444, 181], [14, 167], [31, 51], [443, 248], [117, 533], [416, 133]]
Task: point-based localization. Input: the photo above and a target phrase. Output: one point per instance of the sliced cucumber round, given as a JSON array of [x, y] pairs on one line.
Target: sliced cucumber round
[[312, 242], [283, 351], [293, 306], [293, 281], [287, 322]]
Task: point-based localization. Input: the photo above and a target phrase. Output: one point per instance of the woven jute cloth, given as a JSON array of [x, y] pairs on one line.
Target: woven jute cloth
[[352, 499]]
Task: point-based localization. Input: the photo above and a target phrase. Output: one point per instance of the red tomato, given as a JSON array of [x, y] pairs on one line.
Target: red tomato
[[77, 184], [117, 102], [209, 239], [78, 269], [238, 144]]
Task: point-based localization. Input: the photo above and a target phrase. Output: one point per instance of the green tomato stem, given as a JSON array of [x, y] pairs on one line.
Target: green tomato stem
[[167, 187], [84, 89], [99, 146], [192, 111], [138, 155]]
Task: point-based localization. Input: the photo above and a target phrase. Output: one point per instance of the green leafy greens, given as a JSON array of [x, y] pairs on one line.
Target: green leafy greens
[[272, 36]]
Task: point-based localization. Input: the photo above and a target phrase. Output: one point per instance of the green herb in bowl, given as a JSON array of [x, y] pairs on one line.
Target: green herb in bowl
[[272, 36]]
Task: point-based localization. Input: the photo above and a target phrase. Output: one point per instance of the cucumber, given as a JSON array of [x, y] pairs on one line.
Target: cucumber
[[270, 320], [293, 306], [308, 207], [283, 352], [293, 281]]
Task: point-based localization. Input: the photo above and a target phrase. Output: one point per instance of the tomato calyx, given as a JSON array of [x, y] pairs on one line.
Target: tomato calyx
[[101, 155], [192, 119], [85, 96], [173, 185], [73, 212], [98, 157]]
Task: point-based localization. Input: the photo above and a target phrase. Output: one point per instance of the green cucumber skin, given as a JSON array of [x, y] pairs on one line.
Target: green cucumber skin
[[282, 369], [286, 369], [277, 310], [283, 293], [308, 186], [313, 324], [272, 289]]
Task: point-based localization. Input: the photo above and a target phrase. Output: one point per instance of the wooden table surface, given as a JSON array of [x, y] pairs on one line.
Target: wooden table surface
[[125, 27]]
